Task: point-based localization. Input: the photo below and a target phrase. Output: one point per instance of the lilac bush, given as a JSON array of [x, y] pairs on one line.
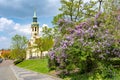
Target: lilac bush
[[82, 45]]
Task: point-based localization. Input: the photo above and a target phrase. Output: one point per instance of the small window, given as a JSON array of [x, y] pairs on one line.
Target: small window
[[35, 28]]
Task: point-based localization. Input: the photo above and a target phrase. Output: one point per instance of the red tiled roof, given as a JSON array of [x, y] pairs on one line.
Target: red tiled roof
[[5, 51]]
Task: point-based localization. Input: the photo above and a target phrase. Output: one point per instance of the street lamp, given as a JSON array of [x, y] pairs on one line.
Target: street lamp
[[100, 2]]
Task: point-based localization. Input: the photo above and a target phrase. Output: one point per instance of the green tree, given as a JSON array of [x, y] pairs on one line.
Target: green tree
[[44, 44], [18, 47], [75, 10], [47, 32], [72, 12], [112, 16], [103, 31]]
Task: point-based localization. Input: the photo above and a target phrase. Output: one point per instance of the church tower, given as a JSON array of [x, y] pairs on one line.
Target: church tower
[[35, 26], [34, 29], [31, 50]]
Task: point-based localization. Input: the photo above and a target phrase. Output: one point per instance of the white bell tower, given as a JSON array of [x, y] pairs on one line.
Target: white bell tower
[[35, 26], [34, 29], [31, 50]]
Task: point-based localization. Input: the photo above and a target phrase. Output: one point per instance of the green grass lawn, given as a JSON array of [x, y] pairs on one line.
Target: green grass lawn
[[41, 66], [37, 65]]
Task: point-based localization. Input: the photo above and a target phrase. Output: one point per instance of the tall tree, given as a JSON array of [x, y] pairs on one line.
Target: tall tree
[[47, 32], [111, 10], [18, 47], [75, 10], [44, 44]]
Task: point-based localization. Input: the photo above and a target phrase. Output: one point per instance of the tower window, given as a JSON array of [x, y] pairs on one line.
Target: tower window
[[35, 28]]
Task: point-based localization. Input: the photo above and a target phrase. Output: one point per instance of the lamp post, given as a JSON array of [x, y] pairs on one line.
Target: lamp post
[[100, 2]]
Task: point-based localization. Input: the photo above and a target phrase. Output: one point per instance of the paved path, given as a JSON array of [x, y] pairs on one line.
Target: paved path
[[5, 72], [23, 74], [8, 71]]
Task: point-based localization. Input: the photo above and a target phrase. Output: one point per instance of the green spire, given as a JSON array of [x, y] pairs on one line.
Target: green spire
[[35, 15]]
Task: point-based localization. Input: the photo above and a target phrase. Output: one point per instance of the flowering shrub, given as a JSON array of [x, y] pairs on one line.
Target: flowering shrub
[[82, 46]]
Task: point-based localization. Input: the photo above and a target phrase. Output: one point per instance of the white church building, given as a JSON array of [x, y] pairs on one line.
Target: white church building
[[31, 51]]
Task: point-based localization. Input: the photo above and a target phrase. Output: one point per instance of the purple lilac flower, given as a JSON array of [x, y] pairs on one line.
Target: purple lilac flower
[[108, 44], [118, 17], [63, 55], [95, 26], [58, 59], [106, 31], [64, 46], [99, 43], [84, 24], [91, 34], [78, 32], [64, 42], [70, 30], [71, 42], [60, 29], [78, 27], [69, 38], [81, 25], [61, 21], [52, 55], [98, 50], [81, 40], [119, 55], [57, 49], [107, 52]]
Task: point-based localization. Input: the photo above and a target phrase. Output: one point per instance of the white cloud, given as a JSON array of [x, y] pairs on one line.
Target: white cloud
[[44, 25], [40, 29], [22, 29], [8, 28], [4, 23], [11, 27]]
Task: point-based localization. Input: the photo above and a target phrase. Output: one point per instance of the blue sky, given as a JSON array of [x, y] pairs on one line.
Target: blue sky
[[16, 17]]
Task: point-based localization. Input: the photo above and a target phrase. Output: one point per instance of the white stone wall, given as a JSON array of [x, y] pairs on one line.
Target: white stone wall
[[34, 53]]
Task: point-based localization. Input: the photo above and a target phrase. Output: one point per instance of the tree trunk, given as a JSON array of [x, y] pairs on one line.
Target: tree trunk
[[41, 55]]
